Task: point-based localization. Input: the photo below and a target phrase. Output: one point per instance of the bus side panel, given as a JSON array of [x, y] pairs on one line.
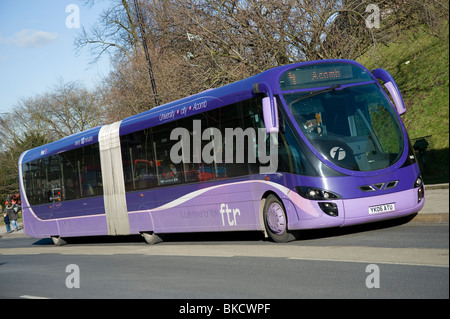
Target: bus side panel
[[94, 225], [77, 208], [221, 207], [291, 213], [91, 225], [196, 217], [225, 207], [34, 227], [80, 217], [140, 220]]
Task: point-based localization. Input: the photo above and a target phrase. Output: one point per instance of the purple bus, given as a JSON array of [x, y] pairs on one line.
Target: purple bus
[[303, 146]]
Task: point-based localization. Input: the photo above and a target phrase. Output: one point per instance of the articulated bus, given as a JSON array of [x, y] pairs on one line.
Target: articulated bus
[[304, 146]]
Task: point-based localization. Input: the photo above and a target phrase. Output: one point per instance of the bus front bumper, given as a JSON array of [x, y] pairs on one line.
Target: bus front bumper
[[361, 210]]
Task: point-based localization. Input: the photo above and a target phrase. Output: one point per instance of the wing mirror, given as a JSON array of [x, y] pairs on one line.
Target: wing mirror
[[392, 87], [269, 104]]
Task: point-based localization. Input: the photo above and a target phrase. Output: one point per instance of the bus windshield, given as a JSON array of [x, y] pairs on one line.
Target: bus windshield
[[353, 127]]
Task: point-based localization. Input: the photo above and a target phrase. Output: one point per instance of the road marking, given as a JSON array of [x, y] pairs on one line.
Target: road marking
[[368, 262], [32, 297]]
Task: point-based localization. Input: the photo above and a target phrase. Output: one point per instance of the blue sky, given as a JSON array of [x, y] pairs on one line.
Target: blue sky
[[37, 48]]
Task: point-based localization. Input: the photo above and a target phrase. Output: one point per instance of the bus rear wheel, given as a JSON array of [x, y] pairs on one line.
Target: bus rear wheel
[[275, 221]]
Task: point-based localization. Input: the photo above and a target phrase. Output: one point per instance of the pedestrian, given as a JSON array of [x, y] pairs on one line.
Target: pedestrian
[[7, 221], [12, 210]]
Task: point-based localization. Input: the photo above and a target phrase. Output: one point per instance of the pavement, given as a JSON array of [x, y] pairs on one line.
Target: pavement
[[435, 210]]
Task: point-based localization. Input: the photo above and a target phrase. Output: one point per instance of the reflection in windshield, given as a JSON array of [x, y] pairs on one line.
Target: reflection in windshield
[[354, 128]]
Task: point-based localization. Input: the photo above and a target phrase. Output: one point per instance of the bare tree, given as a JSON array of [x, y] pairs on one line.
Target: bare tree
[[66, 109], [69, 108], [115, 33]]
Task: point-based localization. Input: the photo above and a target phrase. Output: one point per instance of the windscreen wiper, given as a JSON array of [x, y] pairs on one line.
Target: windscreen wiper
[[313, 93]]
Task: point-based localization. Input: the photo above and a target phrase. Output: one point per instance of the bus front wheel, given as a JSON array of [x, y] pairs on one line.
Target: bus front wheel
[[275, 221]]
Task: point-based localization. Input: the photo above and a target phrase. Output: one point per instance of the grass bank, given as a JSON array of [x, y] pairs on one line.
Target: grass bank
[[419, 63]]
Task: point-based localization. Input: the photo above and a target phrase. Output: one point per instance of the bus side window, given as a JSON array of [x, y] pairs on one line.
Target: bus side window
[[65, 176], [168, 173], [291, 158], [35, 181], [139, 166], [90, 171], [190, 173]]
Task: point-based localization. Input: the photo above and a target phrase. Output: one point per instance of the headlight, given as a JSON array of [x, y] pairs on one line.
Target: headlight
[[421, 191], [316, 193], [418, 182]]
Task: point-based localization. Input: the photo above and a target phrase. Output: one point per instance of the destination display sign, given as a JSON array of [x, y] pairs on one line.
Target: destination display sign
[[323, 74]]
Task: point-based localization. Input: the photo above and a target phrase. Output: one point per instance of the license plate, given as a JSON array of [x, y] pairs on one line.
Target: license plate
[[381, 208]]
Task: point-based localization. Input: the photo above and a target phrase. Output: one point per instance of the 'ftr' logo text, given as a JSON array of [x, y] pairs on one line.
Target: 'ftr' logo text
[[231, 214]]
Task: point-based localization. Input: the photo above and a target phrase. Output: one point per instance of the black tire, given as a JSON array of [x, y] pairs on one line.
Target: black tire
[[275, 221]]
